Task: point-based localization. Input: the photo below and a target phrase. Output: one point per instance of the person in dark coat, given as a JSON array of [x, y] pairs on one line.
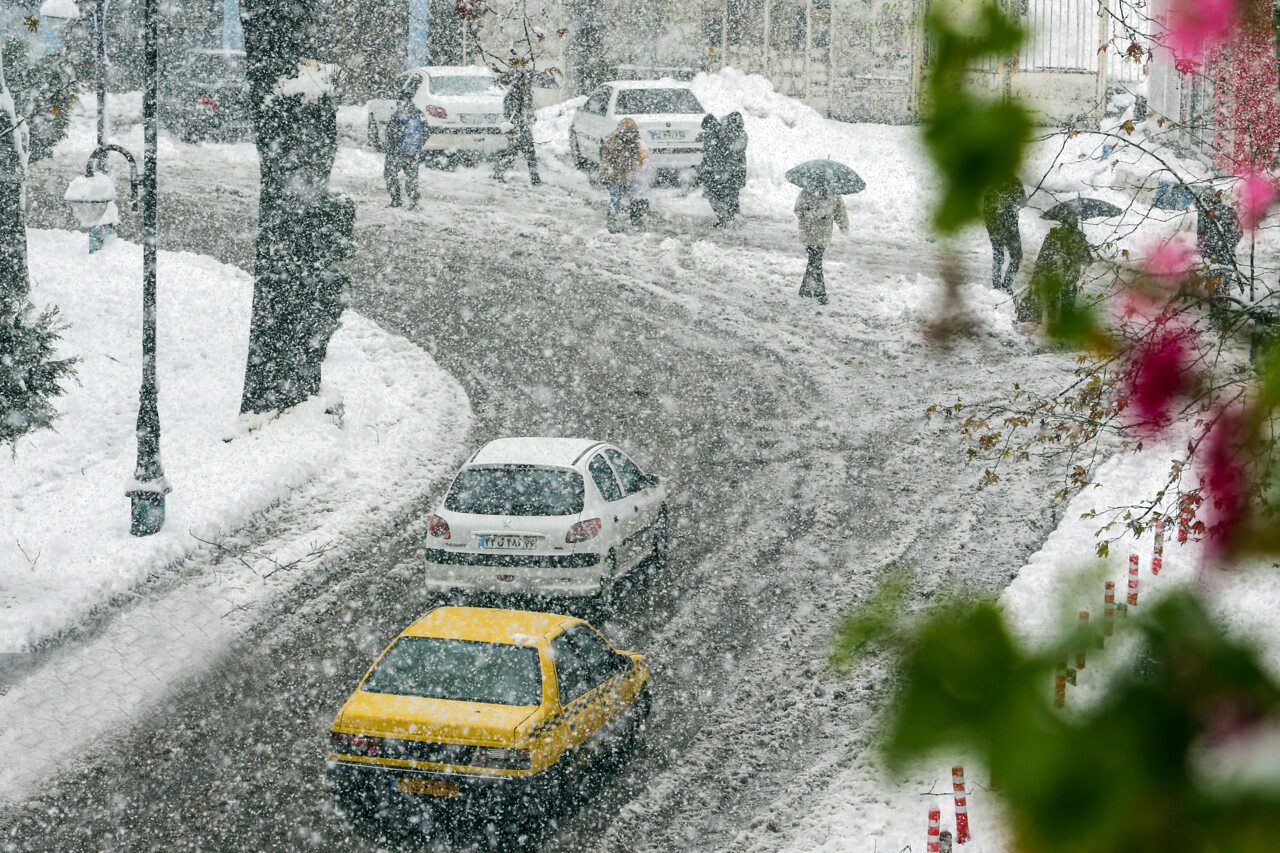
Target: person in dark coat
[[1059, 269], [406, 133], [1000, 208], [1218, 234], [734, 140], [712, 171], [517, 107]]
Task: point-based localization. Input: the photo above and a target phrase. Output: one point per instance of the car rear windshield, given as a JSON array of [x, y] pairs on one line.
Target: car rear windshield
[[462, 85], [516, 490], [642, 101], [462, 670]]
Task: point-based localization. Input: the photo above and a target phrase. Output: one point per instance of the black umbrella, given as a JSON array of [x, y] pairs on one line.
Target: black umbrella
[[1082, 208], [826, 178]]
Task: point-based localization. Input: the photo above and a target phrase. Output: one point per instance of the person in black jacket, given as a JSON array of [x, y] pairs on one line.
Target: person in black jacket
[[713, 170], [1218, 234], [1000, 208], [517, 106], [734, 141]]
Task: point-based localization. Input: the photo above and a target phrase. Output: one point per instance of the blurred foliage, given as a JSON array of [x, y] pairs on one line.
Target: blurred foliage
[[1139, 770], [976, 141], [44, 89]]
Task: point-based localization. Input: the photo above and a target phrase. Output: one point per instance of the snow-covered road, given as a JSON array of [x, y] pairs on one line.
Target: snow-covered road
[[794, 441]]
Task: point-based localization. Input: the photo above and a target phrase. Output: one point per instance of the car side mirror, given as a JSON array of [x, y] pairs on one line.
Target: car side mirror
[[624, 662], [651, 480]]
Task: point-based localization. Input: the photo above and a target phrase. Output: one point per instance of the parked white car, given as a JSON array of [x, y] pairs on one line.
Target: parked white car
[[546, 516], [667, 113], [462, 105]]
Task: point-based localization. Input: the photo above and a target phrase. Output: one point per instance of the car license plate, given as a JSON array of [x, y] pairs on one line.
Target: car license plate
[[666, 134], [427, 787], [477, 118], [508, 543]]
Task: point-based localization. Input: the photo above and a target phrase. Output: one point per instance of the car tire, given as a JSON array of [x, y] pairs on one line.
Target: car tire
[[575, 151], [606, 598], [375, 142], [661, 539]]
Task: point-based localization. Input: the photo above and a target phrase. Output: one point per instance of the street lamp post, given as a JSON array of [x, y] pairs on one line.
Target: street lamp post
[[100, 33], [149, 486]]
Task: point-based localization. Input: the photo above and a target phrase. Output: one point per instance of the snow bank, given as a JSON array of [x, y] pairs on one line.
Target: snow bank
[[64, 543]]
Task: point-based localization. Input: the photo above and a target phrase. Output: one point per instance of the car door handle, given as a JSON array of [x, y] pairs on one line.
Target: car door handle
[[635, 509], [615, 518]]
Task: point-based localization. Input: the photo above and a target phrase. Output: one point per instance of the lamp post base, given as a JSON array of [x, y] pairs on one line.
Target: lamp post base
[[146, 512]]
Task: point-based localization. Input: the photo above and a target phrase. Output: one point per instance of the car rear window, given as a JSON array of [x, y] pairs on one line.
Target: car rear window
[[462, 85], [516, 490], [462, 670], [642, 101]]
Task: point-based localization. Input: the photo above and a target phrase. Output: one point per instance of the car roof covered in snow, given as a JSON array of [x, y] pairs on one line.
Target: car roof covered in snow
[[665, 83], [455, 70], [533, 450], [488, 625]]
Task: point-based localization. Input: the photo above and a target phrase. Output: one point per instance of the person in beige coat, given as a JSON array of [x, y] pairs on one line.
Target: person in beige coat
[[622, 157], [817, 215]]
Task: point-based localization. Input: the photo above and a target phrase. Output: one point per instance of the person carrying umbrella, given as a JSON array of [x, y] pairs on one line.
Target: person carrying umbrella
[[1063, 257], [622, 155], [819, 207], [1000, 208]]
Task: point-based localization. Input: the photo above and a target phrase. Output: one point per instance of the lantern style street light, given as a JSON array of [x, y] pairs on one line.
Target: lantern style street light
[[58, 15], [92, 196]]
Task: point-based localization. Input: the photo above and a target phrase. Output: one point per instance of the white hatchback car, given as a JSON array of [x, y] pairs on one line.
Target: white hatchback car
[[547, 516], [667, 113], [462, 105]]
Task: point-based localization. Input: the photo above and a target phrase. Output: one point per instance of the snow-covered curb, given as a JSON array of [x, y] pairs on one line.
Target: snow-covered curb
[[65, 547]]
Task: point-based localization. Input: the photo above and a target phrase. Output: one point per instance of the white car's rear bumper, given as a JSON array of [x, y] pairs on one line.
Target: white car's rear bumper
[[683, 157], [573, 575]]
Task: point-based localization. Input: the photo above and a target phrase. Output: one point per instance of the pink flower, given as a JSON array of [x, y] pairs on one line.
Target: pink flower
[[1170, 262], [1223, 476], [1195, 26], [1158, 376], [1257, 194]]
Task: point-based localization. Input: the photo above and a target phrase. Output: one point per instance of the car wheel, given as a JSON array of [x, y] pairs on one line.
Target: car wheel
[[374, 141], [575, 151], [661, 539], [606, 598]]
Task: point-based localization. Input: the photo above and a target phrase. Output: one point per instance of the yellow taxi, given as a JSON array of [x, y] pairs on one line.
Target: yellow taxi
[[487, 707]]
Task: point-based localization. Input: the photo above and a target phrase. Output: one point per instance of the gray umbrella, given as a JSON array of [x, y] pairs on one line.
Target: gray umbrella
[[826, 178], [1082, 208]]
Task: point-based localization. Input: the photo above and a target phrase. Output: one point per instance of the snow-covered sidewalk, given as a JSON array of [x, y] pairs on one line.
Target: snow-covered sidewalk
[[65, 546]]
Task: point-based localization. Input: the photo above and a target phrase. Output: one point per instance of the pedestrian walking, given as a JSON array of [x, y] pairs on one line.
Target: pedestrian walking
[[1218, 233], [734, 140], [517, 107], [406, 133], [712, 172], [622, 155], [817, 213], [1059, 269], [1000, 208]]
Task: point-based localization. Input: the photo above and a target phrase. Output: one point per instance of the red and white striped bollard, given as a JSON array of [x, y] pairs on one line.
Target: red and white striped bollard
[[962, 809], [1157, 557], [935, 817], [1184, 524], [1109, 610], [1084, 623], [1132, 598]]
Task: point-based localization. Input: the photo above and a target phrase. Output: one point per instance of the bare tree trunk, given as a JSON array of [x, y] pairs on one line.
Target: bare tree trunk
[[304, 230]]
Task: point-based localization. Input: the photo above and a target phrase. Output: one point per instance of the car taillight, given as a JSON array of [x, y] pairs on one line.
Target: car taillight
[[438, 527], [583, 530], [436, 112], [206, 101], [355, 744]]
